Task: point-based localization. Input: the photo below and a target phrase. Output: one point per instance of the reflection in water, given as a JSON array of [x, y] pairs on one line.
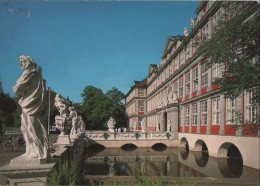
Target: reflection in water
[[201, 158], [184, 153], [159, 147], [173, 162], [129, 147]]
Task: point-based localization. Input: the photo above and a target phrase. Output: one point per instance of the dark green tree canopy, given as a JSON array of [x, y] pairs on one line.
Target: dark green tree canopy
[[97, 107]]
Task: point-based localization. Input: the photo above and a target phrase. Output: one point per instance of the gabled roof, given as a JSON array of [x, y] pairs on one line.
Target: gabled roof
[[141, 83], [137, 84], [170, 42], [152, 68]]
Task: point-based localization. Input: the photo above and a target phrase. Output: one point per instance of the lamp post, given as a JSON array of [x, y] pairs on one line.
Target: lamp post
[[49, 110]]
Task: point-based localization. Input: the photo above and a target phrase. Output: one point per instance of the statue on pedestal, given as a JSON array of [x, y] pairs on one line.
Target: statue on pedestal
[[169, 124], [143, 125], [63, 122], [158, 127], [74, 120], [135, 126], [111, 125], [31, 87], [81, 125]]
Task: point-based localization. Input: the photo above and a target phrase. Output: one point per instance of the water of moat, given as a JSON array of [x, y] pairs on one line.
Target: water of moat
[[165, 162]]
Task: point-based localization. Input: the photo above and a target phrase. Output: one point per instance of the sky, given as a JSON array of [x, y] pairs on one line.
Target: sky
[[100, 43]]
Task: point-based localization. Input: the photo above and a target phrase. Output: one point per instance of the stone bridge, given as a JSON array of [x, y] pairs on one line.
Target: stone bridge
[[137, 138]]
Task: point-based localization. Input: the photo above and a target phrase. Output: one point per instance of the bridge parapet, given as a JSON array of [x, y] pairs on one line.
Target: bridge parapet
[[136, 135]]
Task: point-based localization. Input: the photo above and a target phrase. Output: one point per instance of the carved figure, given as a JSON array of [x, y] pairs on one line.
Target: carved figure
[[63, 122], [135, 126], [158, 127], [169, 124], [61, 105], [159, 103], [143, 125], [74, 121], [172, 98], [165, 100], [81, 124], [31, 87], [111, 124]]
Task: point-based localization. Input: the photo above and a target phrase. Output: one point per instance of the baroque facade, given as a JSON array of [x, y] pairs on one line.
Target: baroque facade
[[180, 89]]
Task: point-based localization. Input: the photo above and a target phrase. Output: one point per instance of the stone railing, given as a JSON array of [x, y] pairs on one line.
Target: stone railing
[[135, 135]]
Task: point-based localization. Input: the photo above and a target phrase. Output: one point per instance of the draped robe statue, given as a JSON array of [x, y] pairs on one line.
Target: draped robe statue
[[31, 87]]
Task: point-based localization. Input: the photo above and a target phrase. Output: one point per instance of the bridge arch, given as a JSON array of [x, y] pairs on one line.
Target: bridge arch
[[184, 143], [230, 160], [159, 147], [200, 145], [129, 147]]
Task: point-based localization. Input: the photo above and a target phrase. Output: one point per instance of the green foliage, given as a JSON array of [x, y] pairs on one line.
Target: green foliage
[[7, 107], [97, 107], [236, 45], [64, 174]]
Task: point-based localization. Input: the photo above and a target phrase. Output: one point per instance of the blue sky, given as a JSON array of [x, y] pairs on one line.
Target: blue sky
[[101, 43]]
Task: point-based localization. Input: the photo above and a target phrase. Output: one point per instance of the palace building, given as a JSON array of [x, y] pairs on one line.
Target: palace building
[[180, 90]]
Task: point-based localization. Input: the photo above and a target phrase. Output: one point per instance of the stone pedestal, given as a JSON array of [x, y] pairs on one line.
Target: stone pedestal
[[63, 140], [23, 161]]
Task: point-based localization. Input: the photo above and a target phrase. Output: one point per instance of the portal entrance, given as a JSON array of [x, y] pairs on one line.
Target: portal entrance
[[165, 121]]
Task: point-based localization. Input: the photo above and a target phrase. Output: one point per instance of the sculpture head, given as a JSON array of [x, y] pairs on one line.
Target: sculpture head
[[27, 63]]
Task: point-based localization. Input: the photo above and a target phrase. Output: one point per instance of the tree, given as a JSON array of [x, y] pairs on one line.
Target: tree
[[7, 107], [235, 45], [117, 107], [97, 107]]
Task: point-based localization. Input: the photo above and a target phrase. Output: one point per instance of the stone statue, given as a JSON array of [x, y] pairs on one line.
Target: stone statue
[[185, 31], [81, 125], [169, 124], [159, 104], [60, 104], [158, 127], [74, 121], [172, 98], [31, 87], [135, 126], [111, 125], [192, 22], [165, 101], [63, 122], [143, 125]]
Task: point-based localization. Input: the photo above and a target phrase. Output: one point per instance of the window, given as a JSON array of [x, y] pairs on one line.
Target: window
[[204, 113], [216, 110], [181, 116], [176, 64], [181, 87], [188, 53], [166, 73], [170, 68], [204, 75], [205, 32], [187, 119], [175, 86], [217, 71], [139, 121], [187, 78], [140, 92], [140, 106], [195, 78], [182, 57], [251, 108], [163, 76], [231, 105], [195, 114]]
